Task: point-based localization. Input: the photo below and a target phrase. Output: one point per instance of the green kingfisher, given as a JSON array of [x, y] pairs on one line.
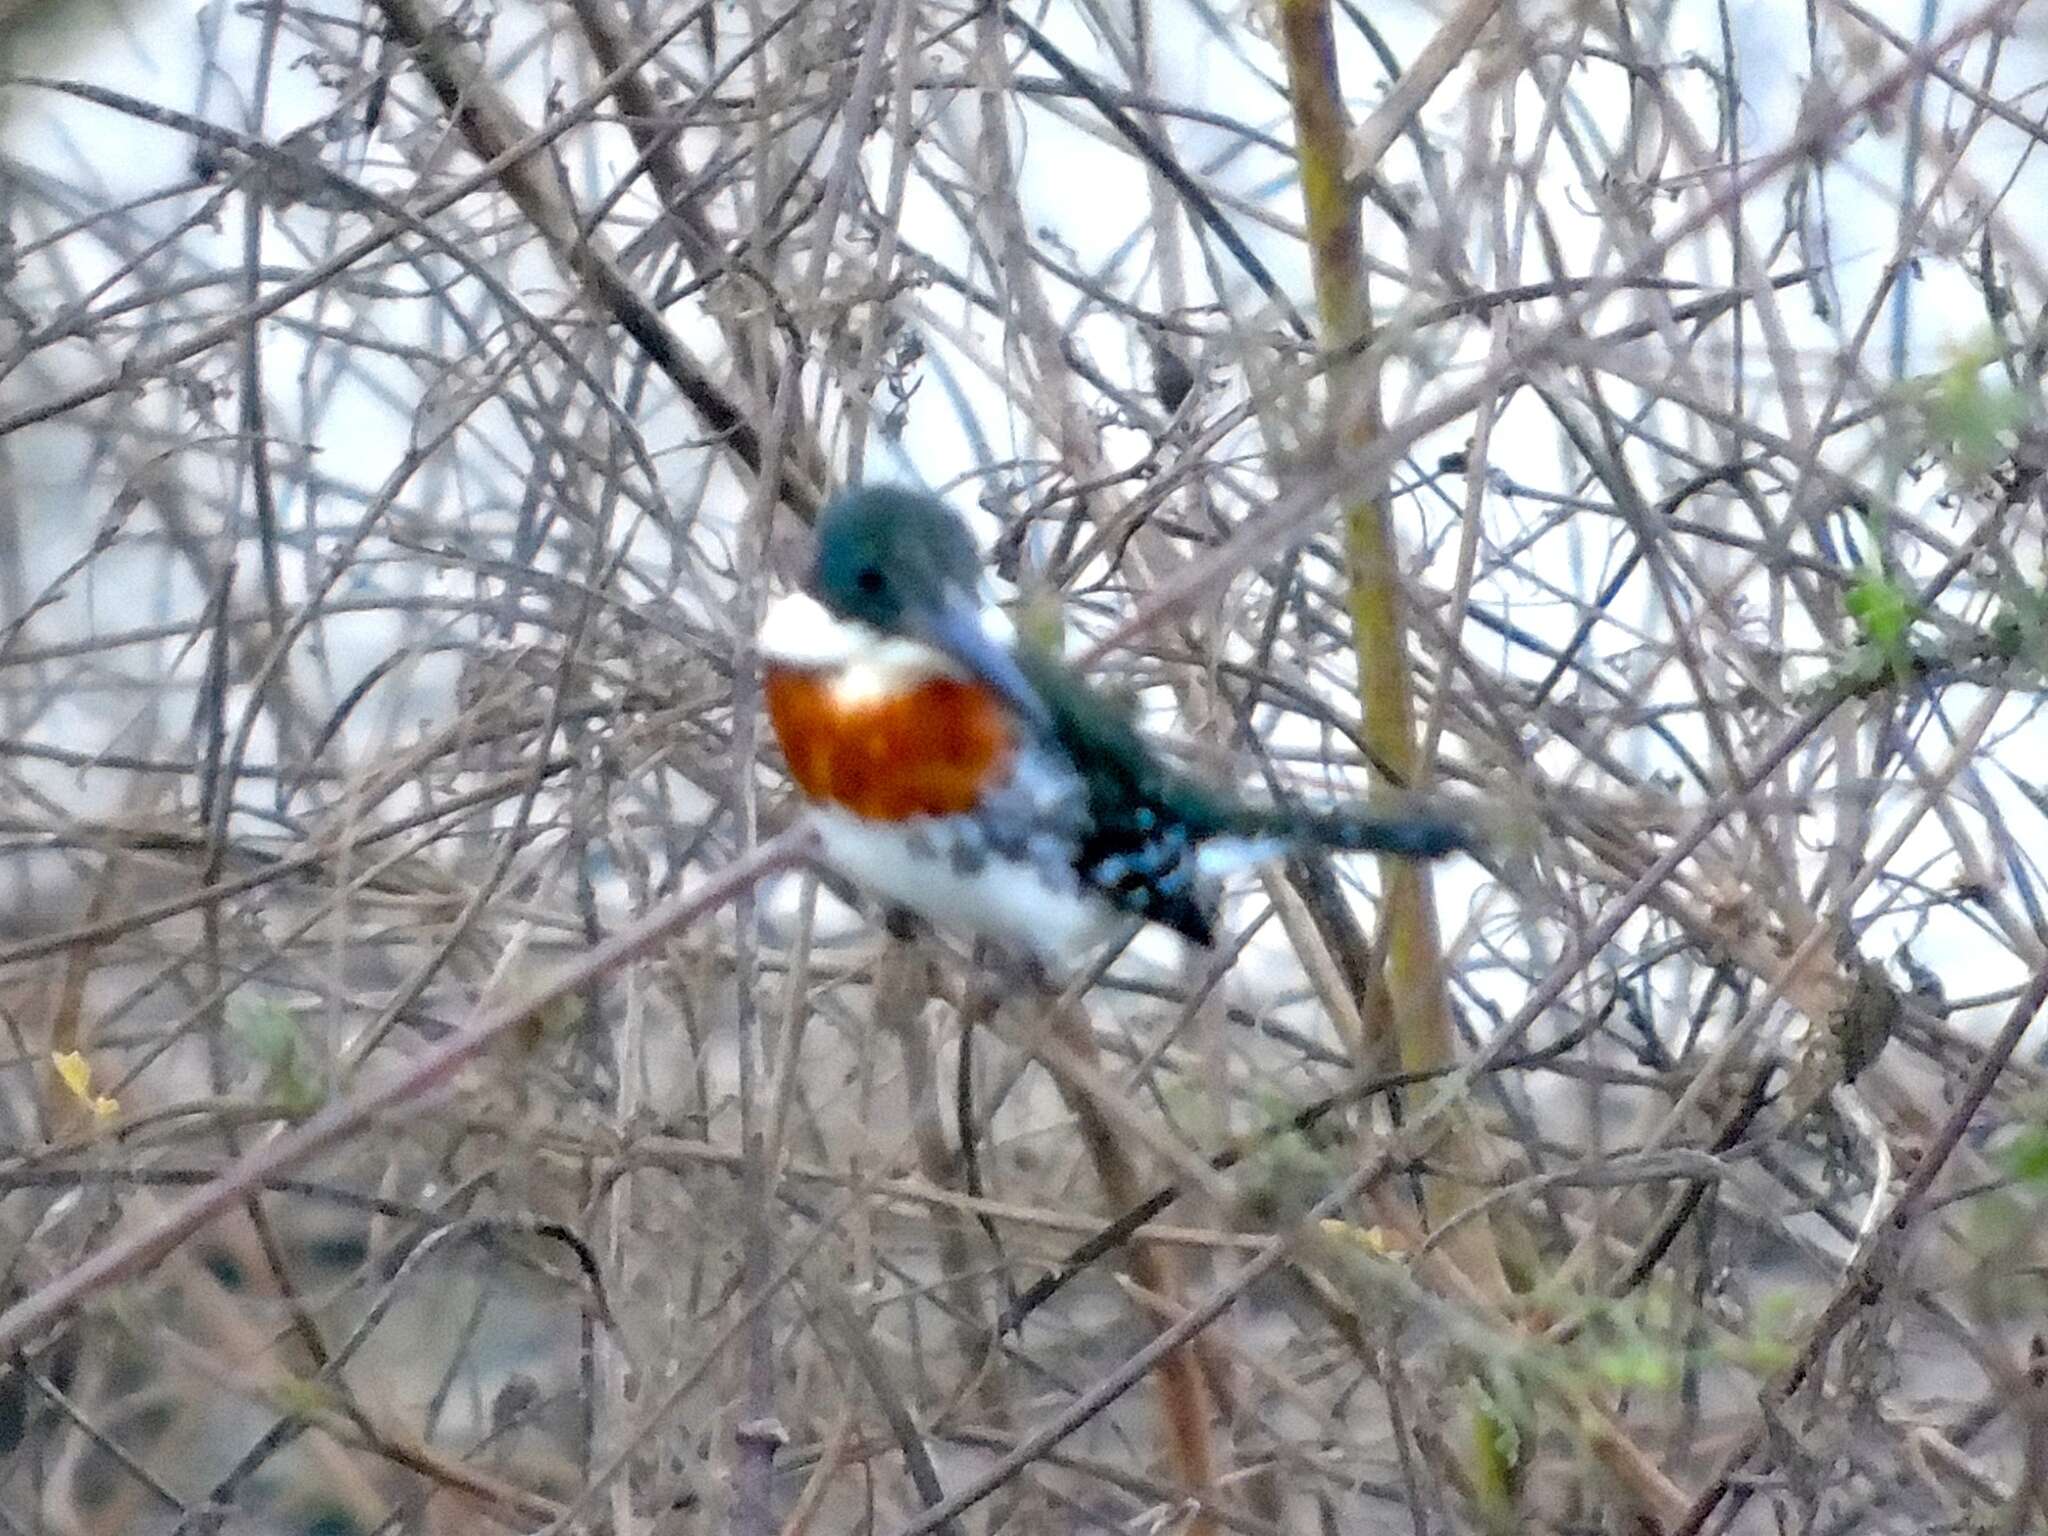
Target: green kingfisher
[[981, 783]]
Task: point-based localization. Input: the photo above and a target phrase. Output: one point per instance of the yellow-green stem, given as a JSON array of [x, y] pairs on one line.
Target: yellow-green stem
[[1413, 958]]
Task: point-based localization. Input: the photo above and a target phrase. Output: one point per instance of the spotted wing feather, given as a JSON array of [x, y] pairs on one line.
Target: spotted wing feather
[[1147, 824]]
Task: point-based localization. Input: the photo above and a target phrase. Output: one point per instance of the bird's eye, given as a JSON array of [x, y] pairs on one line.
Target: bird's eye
[[869, 580]]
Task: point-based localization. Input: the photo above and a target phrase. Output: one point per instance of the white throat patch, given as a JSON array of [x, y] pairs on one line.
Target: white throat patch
[[863, 663], [801, 632]]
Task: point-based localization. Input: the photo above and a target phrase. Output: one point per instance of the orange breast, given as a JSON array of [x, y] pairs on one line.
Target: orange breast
[[928, 750]]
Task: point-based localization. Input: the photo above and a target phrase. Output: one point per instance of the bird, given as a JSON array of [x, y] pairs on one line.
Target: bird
[[976, 780]]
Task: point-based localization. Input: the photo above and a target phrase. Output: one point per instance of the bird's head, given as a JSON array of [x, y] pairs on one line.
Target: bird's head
[[891, 559], [893, 564]]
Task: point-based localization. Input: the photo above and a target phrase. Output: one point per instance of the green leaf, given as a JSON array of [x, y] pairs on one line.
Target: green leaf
[[266, 1028], [271, 1034], [1967, 416], [1882, 610], [2026, 1159], [1496, 1452], [1884, 614], [1637, 1363]]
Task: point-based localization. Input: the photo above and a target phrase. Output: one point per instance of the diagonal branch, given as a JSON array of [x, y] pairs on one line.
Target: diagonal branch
[[343, 1119]]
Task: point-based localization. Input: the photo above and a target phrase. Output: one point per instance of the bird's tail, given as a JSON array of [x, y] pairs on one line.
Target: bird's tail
[[1409, 834]]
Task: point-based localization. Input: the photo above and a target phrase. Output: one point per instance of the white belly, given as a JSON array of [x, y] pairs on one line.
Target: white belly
[[1007, 900]]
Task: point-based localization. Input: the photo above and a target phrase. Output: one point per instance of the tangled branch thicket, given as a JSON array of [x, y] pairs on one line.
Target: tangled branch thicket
[[1623, 416]]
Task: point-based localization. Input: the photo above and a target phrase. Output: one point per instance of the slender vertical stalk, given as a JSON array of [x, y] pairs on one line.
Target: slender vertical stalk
[[1411, 951], [1187, 1411]]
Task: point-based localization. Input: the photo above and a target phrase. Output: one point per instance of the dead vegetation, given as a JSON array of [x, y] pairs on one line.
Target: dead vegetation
[[437, 1097]]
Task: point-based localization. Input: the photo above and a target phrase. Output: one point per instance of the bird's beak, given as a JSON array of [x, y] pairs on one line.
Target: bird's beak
[[956, 629]]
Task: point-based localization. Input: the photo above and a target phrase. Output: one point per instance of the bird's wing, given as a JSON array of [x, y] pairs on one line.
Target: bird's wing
[[1123, 773], [1126, 777]]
